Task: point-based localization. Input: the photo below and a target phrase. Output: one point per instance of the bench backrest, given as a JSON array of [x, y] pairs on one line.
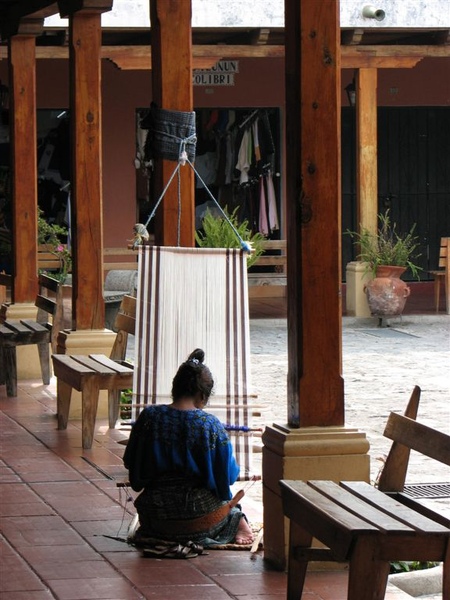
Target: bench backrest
[[47, 259], [444, 253], [125, 324], [407, 434], [419, 437], [119, 259], [269, 259]]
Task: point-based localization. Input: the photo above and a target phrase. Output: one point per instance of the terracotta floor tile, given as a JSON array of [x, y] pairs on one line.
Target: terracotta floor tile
[[151, 572], [12, 509], [87, 589], [39, 531], [30, 595], [7, 475], [36, 555], [76, 569], [218, 562], [15, 574], [267, 582], [185, 592]]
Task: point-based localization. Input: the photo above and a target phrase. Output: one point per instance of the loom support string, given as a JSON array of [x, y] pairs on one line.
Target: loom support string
[[182, 160]]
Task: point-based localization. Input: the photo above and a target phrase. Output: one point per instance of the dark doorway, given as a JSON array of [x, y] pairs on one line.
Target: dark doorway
[[413, 176]]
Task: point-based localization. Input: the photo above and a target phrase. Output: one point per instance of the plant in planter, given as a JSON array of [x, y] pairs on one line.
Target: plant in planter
[[50, 236], [218, 233], [388, 255]]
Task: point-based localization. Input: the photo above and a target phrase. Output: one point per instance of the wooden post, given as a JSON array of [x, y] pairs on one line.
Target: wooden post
[[315, 385], [86, 195], [172, 90], [22, 70], [366, 149]]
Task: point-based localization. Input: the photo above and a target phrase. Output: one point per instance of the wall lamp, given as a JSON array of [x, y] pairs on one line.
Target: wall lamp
[[370, 12], [351, 93]]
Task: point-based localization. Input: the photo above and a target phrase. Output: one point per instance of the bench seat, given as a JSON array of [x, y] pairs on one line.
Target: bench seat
[[361, 525], [370, 527]]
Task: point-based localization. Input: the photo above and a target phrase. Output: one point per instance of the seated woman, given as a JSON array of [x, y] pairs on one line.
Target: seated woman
[[181, 458]]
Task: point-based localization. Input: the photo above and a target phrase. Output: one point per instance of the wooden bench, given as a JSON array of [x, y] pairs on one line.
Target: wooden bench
[[90, 374], [442, 274], [24, 332], [47, 259], [365, 526], [119, 259], [5, 287], [269, 283]]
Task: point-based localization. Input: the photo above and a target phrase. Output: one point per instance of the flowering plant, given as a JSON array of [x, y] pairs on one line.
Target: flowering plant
[[51, 236]]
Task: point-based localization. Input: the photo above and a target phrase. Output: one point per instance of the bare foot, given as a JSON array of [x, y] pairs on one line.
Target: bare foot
[[244, 534]]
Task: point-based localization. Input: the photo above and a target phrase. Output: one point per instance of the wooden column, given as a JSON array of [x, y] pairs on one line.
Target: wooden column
[[86, 194], [22, 80], [366, 149], [315, 385], [172, 90]]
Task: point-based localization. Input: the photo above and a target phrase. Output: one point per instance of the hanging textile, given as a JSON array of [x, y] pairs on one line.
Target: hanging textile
[[196, 298]]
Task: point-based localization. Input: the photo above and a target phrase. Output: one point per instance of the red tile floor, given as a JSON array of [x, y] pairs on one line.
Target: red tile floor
[[61, 511]]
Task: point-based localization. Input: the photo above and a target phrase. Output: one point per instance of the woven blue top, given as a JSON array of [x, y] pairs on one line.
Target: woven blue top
[[165, 440]]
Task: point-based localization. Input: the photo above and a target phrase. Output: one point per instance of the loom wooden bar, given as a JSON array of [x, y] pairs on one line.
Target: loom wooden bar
[[172, 90], [315, 384]]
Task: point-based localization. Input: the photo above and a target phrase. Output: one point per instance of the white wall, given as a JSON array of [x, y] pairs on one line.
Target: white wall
[[270, 13]]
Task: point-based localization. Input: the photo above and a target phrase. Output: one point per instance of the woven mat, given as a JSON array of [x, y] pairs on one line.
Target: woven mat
[[257, 544], [257, 529]]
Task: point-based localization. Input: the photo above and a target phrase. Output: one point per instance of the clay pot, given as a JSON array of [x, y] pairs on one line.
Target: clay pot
[[387, 293]]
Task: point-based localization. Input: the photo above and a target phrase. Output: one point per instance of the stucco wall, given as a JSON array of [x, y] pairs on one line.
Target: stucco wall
[[265, 13]]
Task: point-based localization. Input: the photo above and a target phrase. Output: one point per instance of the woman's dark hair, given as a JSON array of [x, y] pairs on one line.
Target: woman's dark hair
[[192, 377]]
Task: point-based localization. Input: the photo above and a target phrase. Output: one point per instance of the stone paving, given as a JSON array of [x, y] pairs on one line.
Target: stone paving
[[380, 368]]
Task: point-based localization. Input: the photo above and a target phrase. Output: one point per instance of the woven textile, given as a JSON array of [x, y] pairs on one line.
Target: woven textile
[[167, 129], [195, 298]]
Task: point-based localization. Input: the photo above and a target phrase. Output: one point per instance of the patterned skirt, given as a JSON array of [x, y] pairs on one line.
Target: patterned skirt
[[178, 509]]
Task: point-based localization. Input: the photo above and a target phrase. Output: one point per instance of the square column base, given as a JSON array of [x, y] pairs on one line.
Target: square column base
[[330, 453], [355, 299]]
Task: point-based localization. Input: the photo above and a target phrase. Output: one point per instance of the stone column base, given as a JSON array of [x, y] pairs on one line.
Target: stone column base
[[330, 453], [355, 299], [87, 341]]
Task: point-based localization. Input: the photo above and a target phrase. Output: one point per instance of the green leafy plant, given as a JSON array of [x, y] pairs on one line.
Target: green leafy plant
[[387, 246], [411, 565], [51, 235], [126, 398], [218, 233]]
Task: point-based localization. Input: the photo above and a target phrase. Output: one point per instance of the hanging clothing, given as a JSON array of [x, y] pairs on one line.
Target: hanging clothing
[[263, 224], [272, 204], [245, 156]]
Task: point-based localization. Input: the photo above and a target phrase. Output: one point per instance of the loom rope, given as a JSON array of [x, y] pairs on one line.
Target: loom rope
[[182, 160]]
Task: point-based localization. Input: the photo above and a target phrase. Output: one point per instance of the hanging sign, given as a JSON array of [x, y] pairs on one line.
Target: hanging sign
[[222, 73]]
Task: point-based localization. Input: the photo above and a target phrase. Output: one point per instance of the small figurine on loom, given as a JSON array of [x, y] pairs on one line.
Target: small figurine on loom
[[141, 235]]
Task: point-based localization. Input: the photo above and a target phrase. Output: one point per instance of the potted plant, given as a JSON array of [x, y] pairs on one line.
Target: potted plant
[[50, 238], [388, 254]]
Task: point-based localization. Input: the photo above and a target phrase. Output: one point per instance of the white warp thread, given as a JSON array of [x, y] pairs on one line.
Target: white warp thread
[[195, 298]]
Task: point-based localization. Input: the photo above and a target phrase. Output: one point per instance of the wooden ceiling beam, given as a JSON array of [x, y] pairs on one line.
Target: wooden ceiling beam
[[352, 57]]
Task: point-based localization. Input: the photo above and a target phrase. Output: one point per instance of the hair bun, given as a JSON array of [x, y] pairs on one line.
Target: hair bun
[[197, 355]]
